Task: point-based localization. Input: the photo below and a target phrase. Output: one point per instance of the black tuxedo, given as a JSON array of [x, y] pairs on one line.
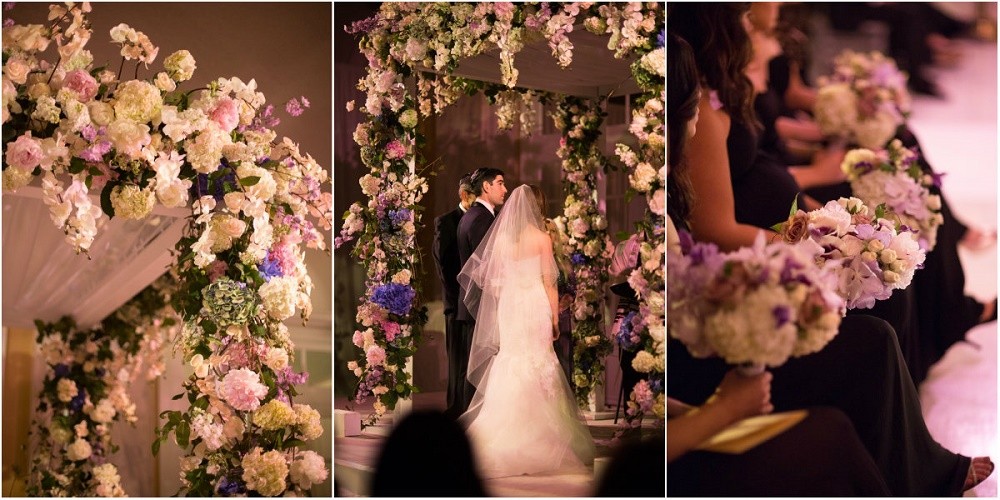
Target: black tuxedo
[[445, 252], [471, 231]]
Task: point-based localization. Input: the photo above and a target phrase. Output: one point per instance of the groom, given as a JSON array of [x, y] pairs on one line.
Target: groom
[[489, 189]]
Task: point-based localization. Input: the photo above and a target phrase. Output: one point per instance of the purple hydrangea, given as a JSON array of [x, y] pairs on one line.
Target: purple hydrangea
[[271, 267], [76, 404], [660, 38], [232, 486], [394, 297], [60, 370], [578, 258], [219, 192], [625, 336]]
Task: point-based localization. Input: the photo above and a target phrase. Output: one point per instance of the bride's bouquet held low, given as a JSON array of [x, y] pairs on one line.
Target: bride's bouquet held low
[[892, 177], [865, 99], [869, 256], [757, 306]]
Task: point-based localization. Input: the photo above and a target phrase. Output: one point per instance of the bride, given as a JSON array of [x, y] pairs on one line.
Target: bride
[[523, 418]]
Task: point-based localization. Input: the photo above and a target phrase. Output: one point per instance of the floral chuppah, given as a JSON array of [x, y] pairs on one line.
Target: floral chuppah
[[84, 392], [426, 42], [257, 203]]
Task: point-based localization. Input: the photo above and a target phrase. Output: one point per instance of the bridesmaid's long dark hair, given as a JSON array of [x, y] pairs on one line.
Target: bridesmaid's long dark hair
[[682, 105], [722, 50]]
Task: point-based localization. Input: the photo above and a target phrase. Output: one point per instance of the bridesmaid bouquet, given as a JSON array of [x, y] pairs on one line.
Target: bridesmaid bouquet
[[869, 256], [865, 100], [759, 305], [893, 178]]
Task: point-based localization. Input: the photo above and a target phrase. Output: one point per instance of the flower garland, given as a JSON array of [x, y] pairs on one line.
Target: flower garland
[[426, 41], [256, 203], [84, 392], [646, 164], [584, 228]]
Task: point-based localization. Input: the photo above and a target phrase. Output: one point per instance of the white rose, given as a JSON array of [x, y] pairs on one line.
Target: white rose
[[164, 82], [276, 359], [101, 113], [79, 450]]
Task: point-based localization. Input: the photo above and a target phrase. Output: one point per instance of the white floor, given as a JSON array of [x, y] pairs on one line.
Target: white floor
[[959, 136]]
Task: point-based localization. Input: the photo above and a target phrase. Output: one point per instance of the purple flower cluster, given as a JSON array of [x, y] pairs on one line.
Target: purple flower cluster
[[232, 486], [372, 379], [99, 146], [264, 120], [578, 258], [218, 192], [627, 336], [394, 297], [364, 25], [271, 267], [296, 105]]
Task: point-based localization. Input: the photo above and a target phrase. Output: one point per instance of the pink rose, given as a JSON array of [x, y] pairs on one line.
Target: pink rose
[[226, 113], [375, 356], [25, 153], [358, 339], [82, 83]]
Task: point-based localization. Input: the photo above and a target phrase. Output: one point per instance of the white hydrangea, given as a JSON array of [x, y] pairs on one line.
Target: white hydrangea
[[129, 137], [279, 297], [180, 65], [138, 101], [104, 412], [836, 109], [79, 450]]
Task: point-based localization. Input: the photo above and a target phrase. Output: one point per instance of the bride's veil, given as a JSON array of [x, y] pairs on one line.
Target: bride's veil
[[515, 235]]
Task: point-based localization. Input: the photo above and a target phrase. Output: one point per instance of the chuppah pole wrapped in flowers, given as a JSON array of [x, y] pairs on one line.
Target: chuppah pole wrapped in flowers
[[257, 203]]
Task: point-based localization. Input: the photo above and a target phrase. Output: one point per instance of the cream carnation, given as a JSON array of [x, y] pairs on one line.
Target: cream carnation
[[279, 297], [265, 473], [132, 202], [138, 101], [308, 469]]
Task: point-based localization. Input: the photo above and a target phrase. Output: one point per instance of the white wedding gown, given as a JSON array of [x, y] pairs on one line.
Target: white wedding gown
[[523, 418]]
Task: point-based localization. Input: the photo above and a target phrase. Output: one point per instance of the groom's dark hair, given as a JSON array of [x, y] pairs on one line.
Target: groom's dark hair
[[481, 175]]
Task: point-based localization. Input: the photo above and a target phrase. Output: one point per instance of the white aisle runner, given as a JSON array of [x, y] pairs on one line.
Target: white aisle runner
[[959, 136]]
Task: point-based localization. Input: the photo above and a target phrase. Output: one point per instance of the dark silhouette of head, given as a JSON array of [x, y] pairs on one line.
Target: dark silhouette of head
[[682, 107], [427, 454], [636, 470]]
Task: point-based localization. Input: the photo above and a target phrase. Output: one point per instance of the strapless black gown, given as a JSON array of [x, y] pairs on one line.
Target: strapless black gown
[[763, 190]]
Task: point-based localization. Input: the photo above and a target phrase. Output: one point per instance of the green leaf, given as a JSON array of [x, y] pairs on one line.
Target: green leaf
[[292, 443], [175, 398], [77, 165], [106, 205], [183, 433], [156, 447], [249, 181]]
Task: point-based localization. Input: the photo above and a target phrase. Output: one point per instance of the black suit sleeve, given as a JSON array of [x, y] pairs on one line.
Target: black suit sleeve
[[478, 231]]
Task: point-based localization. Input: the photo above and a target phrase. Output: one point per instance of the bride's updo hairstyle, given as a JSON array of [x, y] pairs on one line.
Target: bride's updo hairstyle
[[539, 198]]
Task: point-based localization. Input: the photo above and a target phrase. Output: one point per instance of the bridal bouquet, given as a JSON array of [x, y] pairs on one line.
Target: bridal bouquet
[[892, 177], [871, 258], [865, 100], [759, 305]]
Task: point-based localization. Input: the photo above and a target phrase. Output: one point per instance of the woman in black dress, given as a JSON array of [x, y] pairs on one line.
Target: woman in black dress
[[820, 456], [861, 372], [943, 313]]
